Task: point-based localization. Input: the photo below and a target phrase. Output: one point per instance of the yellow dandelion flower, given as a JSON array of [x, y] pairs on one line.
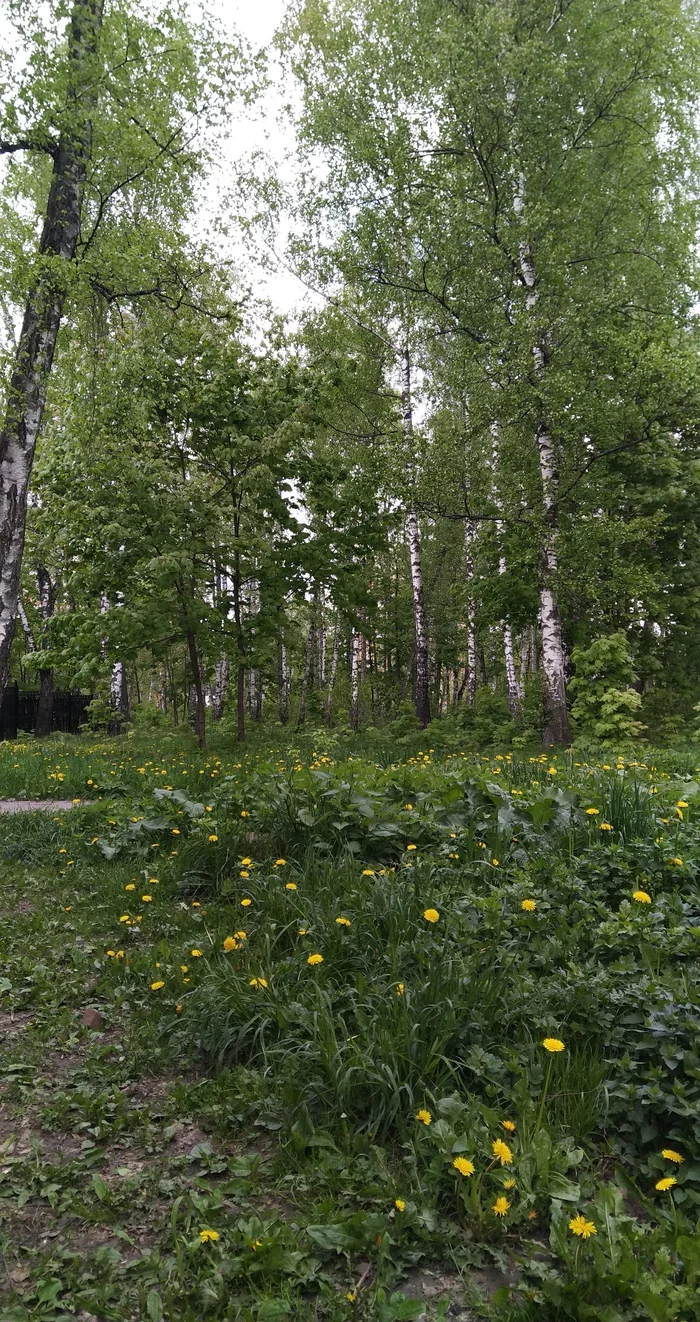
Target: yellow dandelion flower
[[581, 1227], [156, 986], [509, 1125], [146, 899], [669, 1153], [399, 1204], [314, 959], [244, 872], [528, 905], [303, 931], [212, 839], [667, 1183], [463, 1165], [553, 1044], [246, 862], [343, 922], [682, 804], [290, 886], [178, 1008], [407, 846], [240, 936], [424, 1117], [593, 812], [495, 862], [245, 904], [641, 897], [230, 943], [431, 915], [400, 988], [280, 863], [605, 826], [258, 982], [130, 887], [501, 1206], [208, 1236], [195, 954], [677, 861], [368, 872], [501, 1152]]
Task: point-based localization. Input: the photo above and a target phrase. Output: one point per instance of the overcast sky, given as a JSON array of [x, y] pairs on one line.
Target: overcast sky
[[259, 127]]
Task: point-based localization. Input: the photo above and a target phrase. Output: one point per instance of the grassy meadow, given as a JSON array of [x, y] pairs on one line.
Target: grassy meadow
[[341, 1032]]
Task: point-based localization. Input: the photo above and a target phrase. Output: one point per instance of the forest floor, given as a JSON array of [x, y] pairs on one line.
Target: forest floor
[[201, 1122]]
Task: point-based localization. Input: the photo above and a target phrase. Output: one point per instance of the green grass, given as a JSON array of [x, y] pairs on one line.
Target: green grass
[[274, 1101]]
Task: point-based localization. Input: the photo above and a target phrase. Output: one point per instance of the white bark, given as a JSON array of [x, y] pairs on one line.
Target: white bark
[[24, 621], [469, 539], [355, 681], [414, 546], [222, 675], [553, 659], [514, 696], [331, 675], [284, 686]]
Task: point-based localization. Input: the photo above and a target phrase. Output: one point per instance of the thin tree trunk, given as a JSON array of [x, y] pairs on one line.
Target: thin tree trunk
[[355, 681], [308, 669], [524, 658], [509, 657], [328, 715], [222, 674], [258, 697], [199, 717], [26, 395], [47, 602], [284, 687], [469, 539], [240, 638], [557, 729], [422, 689], [26, 626]]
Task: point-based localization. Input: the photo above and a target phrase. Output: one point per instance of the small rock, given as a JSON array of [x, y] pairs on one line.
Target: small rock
[[92, 1019]]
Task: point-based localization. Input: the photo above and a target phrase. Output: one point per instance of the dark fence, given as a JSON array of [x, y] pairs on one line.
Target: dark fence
[[19, 707]]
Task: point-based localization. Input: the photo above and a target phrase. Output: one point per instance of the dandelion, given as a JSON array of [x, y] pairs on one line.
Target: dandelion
[[244, 872], [212, 839], [605, 826], [501, 1206], [125, 918], [350, 1296], [174, 831], [501, 1152], [146, 899], [424, 1117], [245, 904], [178, 1008], [407, 846], [528, 905], [240, 936], [230, 943], [581, 1227], [495, 862], [677, 861], [641, 897], [184, 968], [245, 814], [553, 1044], [156, 986], [399, 1204], [681, 804], [343, 922], [258, 982], [314, 959], [509, 1184], [130, 887], [431, 915], [208, 1236], [509, 1125], [368, 872], [303, 931], [400, 988], [111, 952], [463, 1165], [669, 1153], [667, 1183], [246, 862], [196, 954], [592, 812], [290, 886]]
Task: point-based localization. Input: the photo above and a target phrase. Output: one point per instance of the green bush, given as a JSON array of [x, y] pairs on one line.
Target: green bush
[[604, 700]]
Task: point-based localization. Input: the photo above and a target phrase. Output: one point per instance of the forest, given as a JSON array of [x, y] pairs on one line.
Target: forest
[[349, 660]]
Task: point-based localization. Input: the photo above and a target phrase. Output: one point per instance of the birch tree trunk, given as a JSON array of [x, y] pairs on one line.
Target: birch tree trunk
[[422, 689], [469, 539], [199, 715], [47, 602], [284, 686], [514, 703], [26, 395], [557, 729], [328, 714], [355, 681], [222, 674], [308, 668], [26, 626]]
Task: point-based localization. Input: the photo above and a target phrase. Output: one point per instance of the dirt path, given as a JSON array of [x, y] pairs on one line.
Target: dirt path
[[36, 805]]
